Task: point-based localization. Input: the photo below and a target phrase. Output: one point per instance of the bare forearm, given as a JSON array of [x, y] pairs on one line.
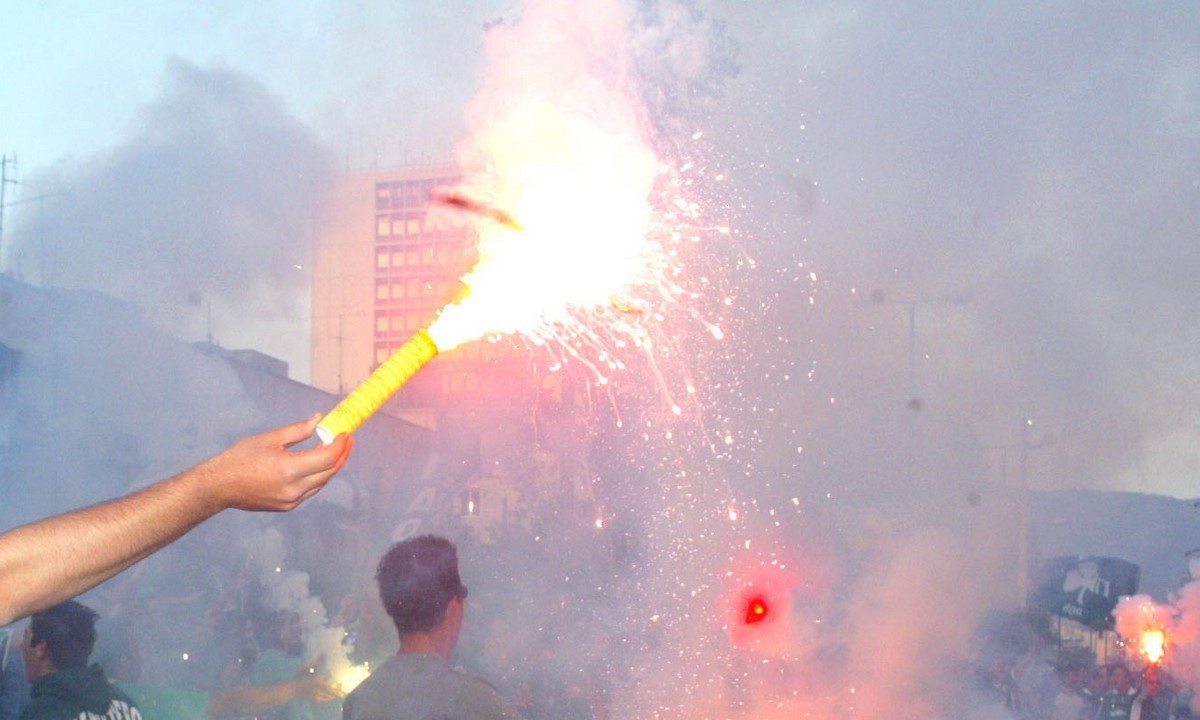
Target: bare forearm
[[249, 700], [47, 562], [254, 699]]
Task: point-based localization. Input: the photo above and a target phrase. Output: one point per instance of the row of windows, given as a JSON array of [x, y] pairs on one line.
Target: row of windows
[[400, 225], [427, 256], [412, 288], [407, 193]]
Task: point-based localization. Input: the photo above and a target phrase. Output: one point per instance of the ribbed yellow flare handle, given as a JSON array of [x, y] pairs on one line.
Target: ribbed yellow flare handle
[[385, 382]]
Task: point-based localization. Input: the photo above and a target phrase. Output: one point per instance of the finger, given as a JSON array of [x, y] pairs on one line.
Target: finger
[[323, 458], [290, 435]]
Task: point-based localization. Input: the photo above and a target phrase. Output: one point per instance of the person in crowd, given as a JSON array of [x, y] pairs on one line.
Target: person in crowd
[[1069, 703], [1094, 689], [1154, 701], [51, 560], [117, 654], [56, 648], [1117, 702], [421, 590], [14, 687], [281, 659]]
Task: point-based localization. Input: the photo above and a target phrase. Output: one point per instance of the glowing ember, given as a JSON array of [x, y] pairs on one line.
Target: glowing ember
[[349, 678]]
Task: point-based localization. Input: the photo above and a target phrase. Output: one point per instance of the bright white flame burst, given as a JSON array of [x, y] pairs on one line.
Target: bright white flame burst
[[350, 677]]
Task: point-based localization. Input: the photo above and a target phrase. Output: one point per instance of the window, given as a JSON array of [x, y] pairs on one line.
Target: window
[[382, 226], [381, 291], [383, 197], [383, 259], [414, 226], [397, 225], [398, 259], [469, 501], [397, 323], [397, 290], [381, 355], [381, 324]]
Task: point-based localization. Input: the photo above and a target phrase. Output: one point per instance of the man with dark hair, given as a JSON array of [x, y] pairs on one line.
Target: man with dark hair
[[422, 592], [56, 648]]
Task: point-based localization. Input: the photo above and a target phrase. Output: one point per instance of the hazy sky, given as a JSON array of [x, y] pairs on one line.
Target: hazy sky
[[1027, 172]]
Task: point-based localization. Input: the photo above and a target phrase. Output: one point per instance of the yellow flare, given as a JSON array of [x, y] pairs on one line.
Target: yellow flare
[[377, 389], [352, 676]]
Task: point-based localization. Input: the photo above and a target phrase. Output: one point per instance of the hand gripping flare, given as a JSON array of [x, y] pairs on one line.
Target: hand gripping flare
[[377, 389]]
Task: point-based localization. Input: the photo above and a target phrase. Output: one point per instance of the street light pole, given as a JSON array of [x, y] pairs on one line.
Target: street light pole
[[960, 299], [1024, 509]]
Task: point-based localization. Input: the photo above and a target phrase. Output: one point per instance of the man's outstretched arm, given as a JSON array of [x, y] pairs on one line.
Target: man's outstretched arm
[[52, 560]]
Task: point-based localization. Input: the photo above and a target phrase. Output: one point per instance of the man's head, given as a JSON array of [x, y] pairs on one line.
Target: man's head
[[1120, 679], [418, 583], [59, 638], [282, 630], [1152, 681]]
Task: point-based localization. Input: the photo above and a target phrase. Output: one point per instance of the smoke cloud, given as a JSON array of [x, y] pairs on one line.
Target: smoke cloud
[[202, 217]]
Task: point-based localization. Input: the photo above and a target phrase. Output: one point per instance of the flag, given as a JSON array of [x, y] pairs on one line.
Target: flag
[[1085, 589]]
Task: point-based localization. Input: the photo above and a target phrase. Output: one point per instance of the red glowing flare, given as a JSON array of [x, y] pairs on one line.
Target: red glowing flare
[[756, 610]]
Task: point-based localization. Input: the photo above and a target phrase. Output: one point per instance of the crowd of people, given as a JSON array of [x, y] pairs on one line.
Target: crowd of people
[[59, 667], [1066, 684], [70, 675]]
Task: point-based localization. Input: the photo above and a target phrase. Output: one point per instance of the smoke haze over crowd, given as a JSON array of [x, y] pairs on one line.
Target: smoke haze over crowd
[[961, 253]]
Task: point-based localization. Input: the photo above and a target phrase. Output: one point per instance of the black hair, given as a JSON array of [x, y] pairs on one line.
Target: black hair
[[417, 580], [69, 631]]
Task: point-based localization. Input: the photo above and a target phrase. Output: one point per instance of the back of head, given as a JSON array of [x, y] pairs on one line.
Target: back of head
[[69, 631], [417, 580]]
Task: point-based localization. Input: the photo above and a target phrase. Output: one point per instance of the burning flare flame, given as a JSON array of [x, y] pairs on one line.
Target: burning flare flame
[[1153, 645], [558, 175], [350, 677], [577, 236], [1146, 626]]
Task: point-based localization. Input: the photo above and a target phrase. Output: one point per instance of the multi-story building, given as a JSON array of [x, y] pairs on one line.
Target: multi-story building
[[387, 259]]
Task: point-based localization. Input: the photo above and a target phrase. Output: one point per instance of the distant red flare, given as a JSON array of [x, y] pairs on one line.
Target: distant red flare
[[756, 610]]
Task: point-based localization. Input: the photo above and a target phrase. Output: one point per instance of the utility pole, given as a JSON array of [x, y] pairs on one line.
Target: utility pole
[[5, 160]]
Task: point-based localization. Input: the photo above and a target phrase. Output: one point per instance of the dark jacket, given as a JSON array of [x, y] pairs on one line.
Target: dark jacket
[[76, 693]]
